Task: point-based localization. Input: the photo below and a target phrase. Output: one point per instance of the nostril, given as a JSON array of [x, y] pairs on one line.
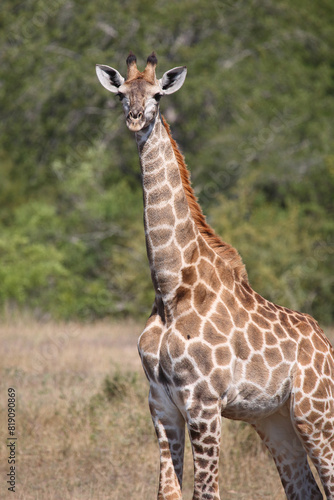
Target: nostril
[[135, 114]]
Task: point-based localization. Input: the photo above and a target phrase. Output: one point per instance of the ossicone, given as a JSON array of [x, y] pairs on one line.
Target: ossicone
[[131, 62], [152, 59], [131, 59], [149, 72]]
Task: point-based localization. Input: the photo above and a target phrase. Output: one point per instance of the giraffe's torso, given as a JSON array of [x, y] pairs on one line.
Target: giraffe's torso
[[209, 333], [232, 344]]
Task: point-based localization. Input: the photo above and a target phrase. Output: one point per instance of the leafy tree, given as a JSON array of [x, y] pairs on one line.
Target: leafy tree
[[254, 120]]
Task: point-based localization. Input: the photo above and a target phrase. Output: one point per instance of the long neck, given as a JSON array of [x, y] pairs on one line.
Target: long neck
[[169, 227], [174, 223]]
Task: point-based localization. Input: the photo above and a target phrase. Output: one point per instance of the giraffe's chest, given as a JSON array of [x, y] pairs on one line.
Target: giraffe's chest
[[149, 344]]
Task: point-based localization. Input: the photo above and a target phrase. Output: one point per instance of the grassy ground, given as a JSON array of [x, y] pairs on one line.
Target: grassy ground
[[83, 426]]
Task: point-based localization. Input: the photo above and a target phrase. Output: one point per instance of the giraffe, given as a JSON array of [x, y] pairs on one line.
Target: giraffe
[[212, 347]]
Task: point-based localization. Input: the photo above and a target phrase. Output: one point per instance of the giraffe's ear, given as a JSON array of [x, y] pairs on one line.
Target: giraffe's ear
[[109, 77], [173, 79]]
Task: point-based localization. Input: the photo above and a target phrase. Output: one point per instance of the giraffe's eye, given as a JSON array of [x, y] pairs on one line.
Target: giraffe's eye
[[157, 97], [121, 96]]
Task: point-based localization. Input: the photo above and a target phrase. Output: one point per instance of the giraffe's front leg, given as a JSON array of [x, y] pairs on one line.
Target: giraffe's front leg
[[204, 425], [170, 429]]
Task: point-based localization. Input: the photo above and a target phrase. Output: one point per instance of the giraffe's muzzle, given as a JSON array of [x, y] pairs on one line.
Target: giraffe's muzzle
[[135, 120]]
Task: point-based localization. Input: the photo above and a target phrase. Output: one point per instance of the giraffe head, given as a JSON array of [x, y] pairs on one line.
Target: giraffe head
[[141, 92]]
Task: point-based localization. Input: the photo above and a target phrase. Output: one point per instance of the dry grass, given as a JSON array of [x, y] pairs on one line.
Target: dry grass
[[83, 424]]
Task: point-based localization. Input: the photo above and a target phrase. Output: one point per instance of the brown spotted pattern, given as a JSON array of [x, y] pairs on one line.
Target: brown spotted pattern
[[223, 350], [214, 348]]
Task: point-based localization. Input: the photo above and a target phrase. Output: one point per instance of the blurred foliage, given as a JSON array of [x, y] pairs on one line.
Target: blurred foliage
[[118, 386], [254, 120]]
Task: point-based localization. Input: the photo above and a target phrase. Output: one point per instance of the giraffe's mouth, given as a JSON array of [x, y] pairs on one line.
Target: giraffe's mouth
[[135, 125]]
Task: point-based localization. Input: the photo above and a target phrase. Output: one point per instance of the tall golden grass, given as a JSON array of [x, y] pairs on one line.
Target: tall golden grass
[[83, 426]]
